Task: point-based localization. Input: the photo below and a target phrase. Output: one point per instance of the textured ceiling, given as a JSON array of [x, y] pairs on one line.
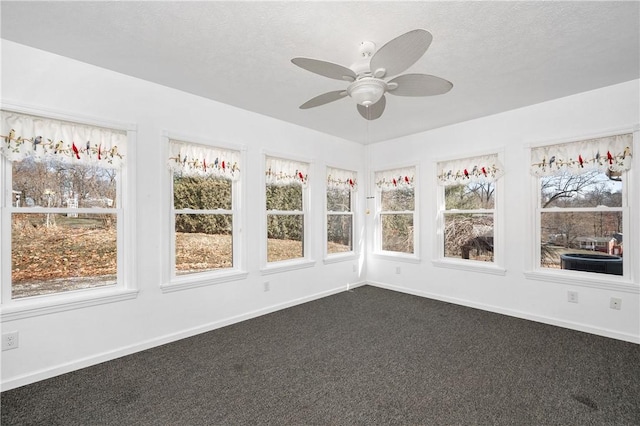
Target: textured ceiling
[[498, 55]]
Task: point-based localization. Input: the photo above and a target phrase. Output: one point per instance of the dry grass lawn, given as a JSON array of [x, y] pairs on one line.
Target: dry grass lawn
[[55, 259]]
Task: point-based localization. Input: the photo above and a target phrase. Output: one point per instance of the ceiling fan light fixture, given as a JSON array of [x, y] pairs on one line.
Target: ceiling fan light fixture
[[365, 75], [367, 91]]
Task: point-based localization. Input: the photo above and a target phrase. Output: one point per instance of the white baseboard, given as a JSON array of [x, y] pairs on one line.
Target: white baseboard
[[78, 364], [513, 313]]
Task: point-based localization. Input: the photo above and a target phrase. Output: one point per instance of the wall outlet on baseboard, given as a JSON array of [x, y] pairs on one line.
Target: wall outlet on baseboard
[[615, 303], [397, 270], [267, 286], [9, 340], [572, 296]]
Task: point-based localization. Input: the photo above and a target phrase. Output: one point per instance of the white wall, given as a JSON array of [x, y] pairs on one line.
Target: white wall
[[583, 114], [57, 343]]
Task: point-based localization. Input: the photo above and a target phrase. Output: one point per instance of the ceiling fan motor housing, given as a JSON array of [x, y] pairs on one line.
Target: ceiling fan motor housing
[[367, 91]]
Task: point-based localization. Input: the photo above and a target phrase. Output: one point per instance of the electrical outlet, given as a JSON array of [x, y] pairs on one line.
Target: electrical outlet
[[572, 296], [267, 286], [355, 268], [397, 269], [615, 303], [10, 340]]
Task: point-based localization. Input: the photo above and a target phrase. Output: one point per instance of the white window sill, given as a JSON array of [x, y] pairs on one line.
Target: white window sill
[[340, 257], [44, 305], [470, 265], [287, 265], [584, 279], [399, 257], [186, 282]]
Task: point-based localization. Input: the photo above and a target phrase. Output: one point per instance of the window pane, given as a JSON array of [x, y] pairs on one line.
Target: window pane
[[581, 233], [400, 199], [469, 236], [339, 232], [284, 237], [53, 253], [589, 189], [53, 183], [201, 192], [338, 200], [397, 232], [471, 196], [284, 197], [203, 242]]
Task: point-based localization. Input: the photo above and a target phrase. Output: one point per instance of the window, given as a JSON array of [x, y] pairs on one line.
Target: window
[[286, 207], [582, 212], [467, 215], [340, 226], [65, 211], [205, 217], [396, 203]]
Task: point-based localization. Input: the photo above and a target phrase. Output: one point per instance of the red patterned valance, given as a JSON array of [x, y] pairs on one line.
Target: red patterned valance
[[613, 153]]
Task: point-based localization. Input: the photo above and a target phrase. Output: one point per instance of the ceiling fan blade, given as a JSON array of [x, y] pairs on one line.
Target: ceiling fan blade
[[401, 52], [325, 98], [327, 69], [419, 85], [373, 111]]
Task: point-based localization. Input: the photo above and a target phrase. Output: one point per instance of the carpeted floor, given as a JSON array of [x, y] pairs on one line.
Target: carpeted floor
[[364, 357]]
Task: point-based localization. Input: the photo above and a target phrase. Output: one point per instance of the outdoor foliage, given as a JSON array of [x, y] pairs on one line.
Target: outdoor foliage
[[197, 252], [339, 226], [284, 198], [588, 190], [397, 233], [340, 230], [469, 235], [202, 193], [471, 196], [397, 219], [74, 253], [562, 231], [53, 183]]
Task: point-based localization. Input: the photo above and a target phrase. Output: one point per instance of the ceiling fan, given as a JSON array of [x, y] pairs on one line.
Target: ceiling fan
[[367, 86]]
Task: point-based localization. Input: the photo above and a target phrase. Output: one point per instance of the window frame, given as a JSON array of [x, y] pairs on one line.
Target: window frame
[[378, 252], [353, 253], [173, 282], [125, 287], [308, 256], [631, 215], [497, 266]]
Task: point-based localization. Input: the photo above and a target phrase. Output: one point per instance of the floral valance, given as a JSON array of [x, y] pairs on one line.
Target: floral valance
[[611, 153], [279, 171], [342, 179], [485, 168], [192, 159], [397, 178], [45, 139]]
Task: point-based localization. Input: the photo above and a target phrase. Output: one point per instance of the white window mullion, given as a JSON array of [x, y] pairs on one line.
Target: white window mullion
[[286, 212], [204, 211]]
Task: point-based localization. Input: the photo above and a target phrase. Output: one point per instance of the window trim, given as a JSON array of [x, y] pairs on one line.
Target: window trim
[[625, 283], [172, 282], [377, 251], [289, 264], [354, 252], [497, 266], [126, 286]]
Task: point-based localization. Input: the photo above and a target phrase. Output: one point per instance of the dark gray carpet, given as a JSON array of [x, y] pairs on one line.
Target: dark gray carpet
[[365, 357]]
